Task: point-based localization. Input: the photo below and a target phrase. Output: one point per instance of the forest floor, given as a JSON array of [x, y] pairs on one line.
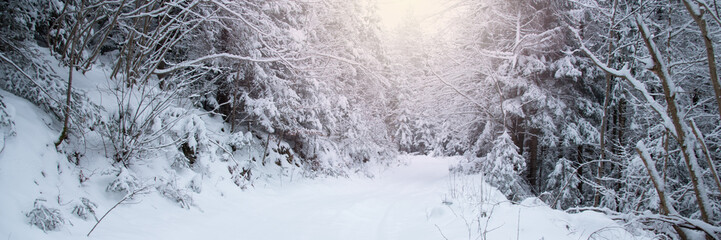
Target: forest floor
[[416, 200]]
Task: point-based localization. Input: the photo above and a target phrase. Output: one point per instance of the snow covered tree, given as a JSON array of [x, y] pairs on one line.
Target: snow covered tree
[[564, 181], [512, 68], [503, 165], [403, 134], [664, 78]]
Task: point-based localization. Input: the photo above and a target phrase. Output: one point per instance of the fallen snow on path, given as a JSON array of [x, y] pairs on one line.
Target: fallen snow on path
[[414, 201]]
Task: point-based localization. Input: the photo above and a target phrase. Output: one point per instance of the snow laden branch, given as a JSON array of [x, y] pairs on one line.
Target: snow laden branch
[[658, 183], [709, 11], [625, 73], [699, 137], [26, 75], [356, 64], [473, 101], [194, 62], [645, 216], [224, 5]]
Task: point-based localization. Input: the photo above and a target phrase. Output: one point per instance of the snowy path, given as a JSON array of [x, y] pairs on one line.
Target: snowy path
[[392, 206], [402, 203]]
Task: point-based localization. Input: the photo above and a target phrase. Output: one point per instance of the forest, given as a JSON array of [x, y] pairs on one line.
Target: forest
[[607, 106]]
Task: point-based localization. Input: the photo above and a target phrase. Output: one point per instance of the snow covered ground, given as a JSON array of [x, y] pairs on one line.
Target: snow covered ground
[[417, 200]]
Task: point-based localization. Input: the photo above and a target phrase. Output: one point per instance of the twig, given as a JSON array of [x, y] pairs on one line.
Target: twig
[[5, 138], [440, 231], [488, 220], [129, 196], [225, 150], [518, 225]]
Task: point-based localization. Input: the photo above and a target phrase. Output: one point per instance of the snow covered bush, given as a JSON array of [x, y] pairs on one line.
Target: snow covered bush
[[158, 123], [239, 140], [196, 184], [181, 160], [85, 209], [170, 190], [7, 125], [125, 182], [184, 131], [241, 176], [133, 130], [193, 135], [501, 166], [47, 219]]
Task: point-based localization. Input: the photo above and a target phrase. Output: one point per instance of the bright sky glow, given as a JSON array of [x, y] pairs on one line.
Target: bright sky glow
[[393, 12]]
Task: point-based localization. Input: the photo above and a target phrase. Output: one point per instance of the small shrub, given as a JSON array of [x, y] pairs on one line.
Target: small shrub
[[195, 185], [287, 152], [82, 178], [241, 176], [180, 161], [189, 153], [170, 191], [47, 219], [239, 140], [124, 182], [7, 125], [85, 209]]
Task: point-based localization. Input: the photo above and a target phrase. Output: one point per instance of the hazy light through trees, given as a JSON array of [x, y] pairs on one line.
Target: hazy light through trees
[[393, 13]]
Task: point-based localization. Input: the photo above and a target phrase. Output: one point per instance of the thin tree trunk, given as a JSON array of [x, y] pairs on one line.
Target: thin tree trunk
[[606, 101], [234, 90], [533, 160], [265, 151], [711, 165], [685, 142], [697, 14], [659, 185], [68, 99]]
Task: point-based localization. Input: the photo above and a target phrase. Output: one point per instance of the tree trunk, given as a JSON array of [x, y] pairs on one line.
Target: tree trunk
[[697, 14], [659, 185], [68, 99], [533, 160], [606, 101], [580, 161], [684, 140], [232, 116]]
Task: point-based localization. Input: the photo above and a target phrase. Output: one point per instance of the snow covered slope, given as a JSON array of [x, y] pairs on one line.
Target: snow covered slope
[[416, 201]]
